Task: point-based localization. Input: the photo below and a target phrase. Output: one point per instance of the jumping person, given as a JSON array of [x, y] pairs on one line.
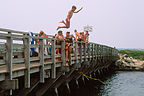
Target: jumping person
[[70, 14]]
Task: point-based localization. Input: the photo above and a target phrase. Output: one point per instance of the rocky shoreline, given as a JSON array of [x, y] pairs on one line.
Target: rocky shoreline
[[126, 63]]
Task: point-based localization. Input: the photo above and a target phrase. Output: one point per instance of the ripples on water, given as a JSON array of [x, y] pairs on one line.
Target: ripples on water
[[124, 84], [121, 83]]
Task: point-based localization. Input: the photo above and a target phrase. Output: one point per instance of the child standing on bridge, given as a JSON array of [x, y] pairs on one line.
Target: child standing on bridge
[[70, 14]]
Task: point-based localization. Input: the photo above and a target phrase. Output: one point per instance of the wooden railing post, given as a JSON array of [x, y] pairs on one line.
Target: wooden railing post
[[85, 52], [96, 51], [76, 54], [9, 58], [47, 49], [63, 54], [80, 52], [100, 53], [26, 43], [109, 53], [89, 51], [103, 60], [41, 60], [112, 53], [93, 51], [53, 70]]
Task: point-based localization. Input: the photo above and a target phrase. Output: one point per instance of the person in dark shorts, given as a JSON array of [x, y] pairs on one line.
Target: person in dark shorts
[[68, 45]]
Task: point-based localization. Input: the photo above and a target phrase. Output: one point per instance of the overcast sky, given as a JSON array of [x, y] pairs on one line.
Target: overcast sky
[[118, 23]]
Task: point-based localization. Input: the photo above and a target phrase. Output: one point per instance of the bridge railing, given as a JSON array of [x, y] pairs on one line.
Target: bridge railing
[[16, 59]]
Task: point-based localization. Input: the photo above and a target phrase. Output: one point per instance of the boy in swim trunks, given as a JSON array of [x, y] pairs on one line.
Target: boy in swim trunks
[[70, 14], [58, 42], [77, 36]]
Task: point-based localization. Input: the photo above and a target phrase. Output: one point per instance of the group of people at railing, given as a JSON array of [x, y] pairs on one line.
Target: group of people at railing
[[69, 40]]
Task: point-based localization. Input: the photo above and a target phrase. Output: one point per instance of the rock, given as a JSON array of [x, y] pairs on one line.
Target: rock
[[131, 58], [129, 63], [125, 55]]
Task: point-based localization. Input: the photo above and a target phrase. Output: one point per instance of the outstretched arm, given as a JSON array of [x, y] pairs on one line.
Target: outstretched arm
[[78, 10]]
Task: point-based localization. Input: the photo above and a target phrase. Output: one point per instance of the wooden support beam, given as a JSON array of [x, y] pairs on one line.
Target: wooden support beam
[[77, 83], [68, 88], [53, 66], [83, 79], [9, 84], [41, 61], [26, 43], [56, 91]]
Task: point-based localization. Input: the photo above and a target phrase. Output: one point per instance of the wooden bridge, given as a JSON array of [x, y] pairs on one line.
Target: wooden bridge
[[22, 74]]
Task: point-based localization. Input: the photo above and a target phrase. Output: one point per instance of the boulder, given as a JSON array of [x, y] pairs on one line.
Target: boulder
[[129, 63]]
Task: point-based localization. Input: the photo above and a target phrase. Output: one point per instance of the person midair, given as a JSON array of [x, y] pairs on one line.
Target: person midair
[[70, 14]]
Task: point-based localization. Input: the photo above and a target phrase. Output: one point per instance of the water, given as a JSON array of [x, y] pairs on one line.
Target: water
[[124, 84], [121, 83]]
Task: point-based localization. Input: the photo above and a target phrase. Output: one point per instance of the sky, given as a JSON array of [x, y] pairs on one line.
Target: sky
[[116, 23]]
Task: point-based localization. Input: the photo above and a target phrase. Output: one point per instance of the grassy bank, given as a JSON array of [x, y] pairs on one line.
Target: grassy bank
[[137, 54]]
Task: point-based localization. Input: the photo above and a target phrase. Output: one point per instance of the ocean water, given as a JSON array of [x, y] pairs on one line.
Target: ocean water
[[120, 83], [124, 84]]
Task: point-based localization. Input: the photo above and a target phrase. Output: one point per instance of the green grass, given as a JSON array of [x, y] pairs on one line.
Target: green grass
[[137, 54]]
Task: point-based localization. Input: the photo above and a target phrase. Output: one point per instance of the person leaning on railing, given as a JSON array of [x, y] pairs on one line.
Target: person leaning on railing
[[59, 42], [68, 45], [77, 36], [82, 36], [42, 34], [49, 43], [86, 36]]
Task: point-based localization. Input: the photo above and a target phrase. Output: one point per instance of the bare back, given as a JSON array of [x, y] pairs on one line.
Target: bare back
[[70, 14], [59, 37]]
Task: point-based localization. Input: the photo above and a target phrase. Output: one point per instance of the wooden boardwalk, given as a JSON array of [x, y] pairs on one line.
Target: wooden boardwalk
[[16, 60]]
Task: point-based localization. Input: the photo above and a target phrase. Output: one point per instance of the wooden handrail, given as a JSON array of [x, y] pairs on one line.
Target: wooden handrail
[[82, 53]]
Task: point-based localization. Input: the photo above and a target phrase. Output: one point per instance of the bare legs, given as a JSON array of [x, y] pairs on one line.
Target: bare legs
[[68, 53], [66, 26]]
